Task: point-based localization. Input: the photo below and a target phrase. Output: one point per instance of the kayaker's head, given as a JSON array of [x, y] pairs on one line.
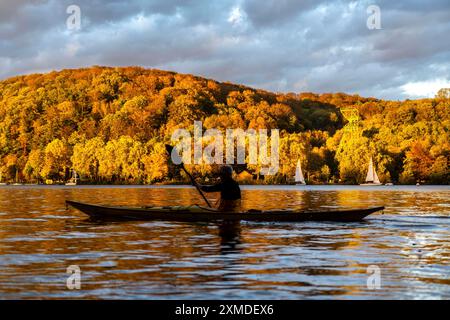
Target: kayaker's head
[[226, 172]]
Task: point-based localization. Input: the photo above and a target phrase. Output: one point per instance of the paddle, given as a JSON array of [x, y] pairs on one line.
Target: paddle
[[169, 149]]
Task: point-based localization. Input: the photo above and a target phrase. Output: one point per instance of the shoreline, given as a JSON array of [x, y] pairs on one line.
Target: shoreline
[[316, 187]]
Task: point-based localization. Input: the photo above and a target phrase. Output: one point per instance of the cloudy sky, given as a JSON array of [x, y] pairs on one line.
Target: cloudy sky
[[279, 45]]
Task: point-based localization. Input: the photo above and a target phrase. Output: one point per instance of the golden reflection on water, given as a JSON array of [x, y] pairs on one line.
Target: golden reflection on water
[[40, 239]]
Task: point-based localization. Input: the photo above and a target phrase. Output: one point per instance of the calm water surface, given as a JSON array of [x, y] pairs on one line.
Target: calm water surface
[[410, 244]]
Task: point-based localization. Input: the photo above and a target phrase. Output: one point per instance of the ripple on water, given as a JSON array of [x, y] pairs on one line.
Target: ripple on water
[[164, 260]]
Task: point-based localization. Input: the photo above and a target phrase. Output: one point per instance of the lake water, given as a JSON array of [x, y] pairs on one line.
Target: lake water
[[409, 245]]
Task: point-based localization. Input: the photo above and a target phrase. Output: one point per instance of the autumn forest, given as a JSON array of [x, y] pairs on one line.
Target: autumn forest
[[111, 124]]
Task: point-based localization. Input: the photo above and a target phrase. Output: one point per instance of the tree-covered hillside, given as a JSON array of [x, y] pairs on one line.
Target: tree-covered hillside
[[110, 125]]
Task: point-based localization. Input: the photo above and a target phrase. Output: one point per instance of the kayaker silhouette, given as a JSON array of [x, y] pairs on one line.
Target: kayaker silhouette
[[230, 192]]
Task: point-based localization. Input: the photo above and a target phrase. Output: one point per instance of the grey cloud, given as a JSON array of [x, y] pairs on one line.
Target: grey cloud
[[278, 12], [321, 46]]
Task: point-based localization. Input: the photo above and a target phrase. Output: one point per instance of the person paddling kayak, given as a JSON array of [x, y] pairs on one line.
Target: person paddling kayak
[[230, 193]]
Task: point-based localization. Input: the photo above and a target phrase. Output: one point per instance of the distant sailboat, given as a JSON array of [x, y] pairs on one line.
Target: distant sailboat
[[299, 179], [372, 177], [73, 180]]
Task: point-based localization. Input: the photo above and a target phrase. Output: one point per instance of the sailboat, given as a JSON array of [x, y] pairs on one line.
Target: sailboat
[[299, 179], [372, 177], [73, 180]]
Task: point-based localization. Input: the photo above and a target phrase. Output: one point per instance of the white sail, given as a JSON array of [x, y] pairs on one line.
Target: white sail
[[372, 176], [375, 177], [369, 177], [299, 179]]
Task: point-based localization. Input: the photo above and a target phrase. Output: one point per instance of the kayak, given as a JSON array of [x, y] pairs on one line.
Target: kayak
[[199, 214]]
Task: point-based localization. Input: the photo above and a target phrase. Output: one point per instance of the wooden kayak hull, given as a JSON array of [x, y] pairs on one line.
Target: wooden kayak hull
[[205, 214]]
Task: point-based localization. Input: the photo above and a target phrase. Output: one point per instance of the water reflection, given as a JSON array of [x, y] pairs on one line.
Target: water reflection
[[229, 233], [410, 243]]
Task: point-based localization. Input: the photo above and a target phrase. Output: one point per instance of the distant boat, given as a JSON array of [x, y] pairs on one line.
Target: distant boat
[[74, 180], [372, 177], [299, 179], [389, 184]]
